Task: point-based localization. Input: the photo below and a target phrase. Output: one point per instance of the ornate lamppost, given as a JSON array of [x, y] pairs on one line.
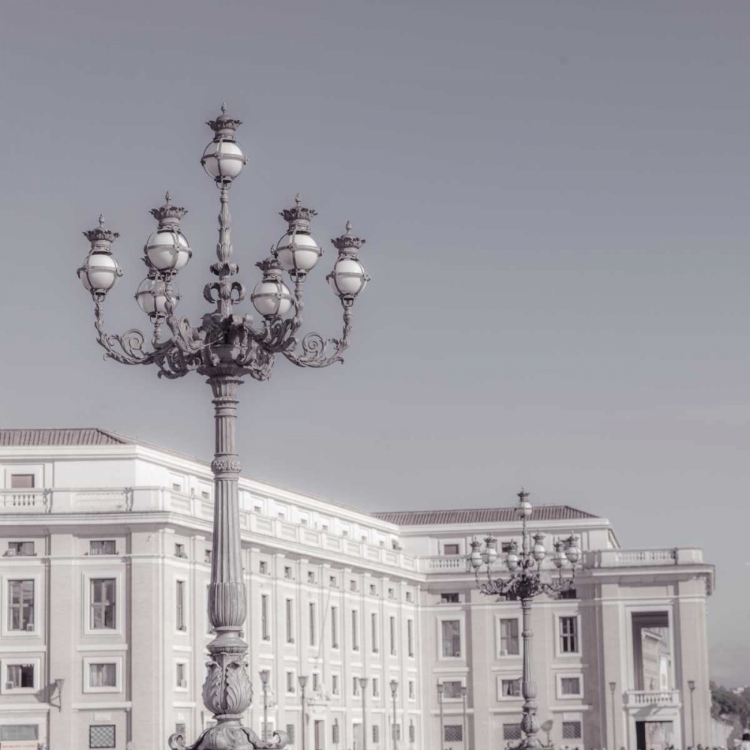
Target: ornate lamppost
[[264, 675], [524, 584], [442, 720], [394, 691], [363, 689], [465, 726], [225, 348], [302, 685]]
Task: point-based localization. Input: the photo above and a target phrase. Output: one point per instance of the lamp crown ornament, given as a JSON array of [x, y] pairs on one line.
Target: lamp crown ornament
[[347, 244], [168, 215], [100, 234], [298, 216], [271, 268], [224, 126]]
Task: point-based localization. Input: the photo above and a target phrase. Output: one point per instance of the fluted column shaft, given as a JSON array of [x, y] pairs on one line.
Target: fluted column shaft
[[530, 721]]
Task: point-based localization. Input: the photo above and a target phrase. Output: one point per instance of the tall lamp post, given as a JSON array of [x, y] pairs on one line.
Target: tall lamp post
[[363, 690], [303, 731], [225, 348], [612, 688], [394, 691], [691, 685], [264, 675], [442, 722], [465, 726], [525, 583]]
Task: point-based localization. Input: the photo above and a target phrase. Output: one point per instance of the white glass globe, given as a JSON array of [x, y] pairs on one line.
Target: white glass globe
[[223, 159], [348, 277], [272, 298], [168, 250], [297, 252], [152, 297], [99, 272]]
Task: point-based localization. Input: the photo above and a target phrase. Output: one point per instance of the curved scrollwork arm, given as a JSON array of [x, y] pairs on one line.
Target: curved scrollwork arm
[[319, 352], [128, 348], [223, 734]]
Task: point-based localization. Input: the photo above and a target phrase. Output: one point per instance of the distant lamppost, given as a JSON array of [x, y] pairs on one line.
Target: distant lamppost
[[442, 723], [465, 727], [225, 348], [302, 684], [363, 690], [264, 675], [612, 688], [691, 685], [394, 690], [525, 583]]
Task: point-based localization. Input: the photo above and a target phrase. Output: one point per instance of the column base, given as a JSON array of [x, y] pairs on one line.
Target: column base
[[229, 735]]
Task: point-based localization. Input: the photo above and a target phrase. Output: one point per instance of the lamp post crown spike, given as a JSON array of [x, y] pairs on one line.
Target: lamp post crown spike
[[223, 108]]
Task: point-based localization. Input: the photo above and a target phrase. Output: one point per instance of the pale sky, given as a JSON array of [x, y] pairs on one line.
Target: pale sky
[[555, 197]]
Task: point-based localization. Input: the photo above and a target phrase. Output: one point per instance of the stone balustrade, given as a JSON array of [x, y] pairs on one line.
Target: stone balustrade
[[647, 698]]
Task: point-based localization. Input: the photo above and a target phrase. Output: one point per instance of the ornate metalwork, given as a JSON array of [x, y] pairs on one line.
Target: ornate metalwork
[[225, 348], [524, 583]]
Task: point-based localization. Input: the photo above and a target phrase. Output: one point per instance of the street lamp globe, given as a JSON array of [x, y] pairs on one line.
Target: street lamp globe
[[271, 296], [154, 298], [539, 551], [573, 553], [297, 251], [511, 559], [223, 158], [167, 249], [348, 277], [476, 555], [394, 687], [100, 270]]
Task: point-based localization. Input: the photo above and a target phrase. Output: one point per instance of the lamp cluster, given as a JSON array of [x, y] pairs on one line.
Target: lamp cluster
[[167, 251]]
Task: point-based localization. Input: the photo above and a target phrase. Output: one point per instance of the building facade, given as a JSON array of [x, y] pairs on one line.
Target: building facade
[[105, 550]]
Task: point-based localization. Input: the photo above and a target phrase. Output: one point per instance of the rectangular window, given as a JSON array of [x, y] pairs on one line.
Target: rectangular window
[[102, 547], [451, 549], [179, 550], [102, 736], [451, 630], [335, 734], [315, 681], [449, 598], [20, 676], [453, 733], [452, 689], [22, 481], [290, 733], [376, 734], [373, 590], [570, 686], [205, 495], [334, 627], [264, 624], [510, 688], [410, 636], [355, 686], [412, 690], [17, 732], [103, 604], [263, 568], [569, 635], [20, 549], [511, 731], [412, 733], [571, 730], [509, 644], [393, 635], [180, 604], [181, 675], [355, 630], [335, 684], [391, 594], [374, 632], [290, 682], [332, 582], [207, 557], [313, 624], [103, 675], [409, 596], [21, 598], [310, 576], [287, 572], [375, 687], [289, 621], [352, 585]]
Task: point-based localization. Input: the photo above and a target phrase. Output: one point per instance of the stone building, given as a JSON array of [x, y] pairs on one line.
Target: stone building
[[105, 548]]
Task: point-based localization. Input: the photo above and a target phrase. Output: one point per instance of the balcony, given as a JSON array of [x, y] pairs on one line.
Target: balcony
[[642, 558], [652, 698]]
